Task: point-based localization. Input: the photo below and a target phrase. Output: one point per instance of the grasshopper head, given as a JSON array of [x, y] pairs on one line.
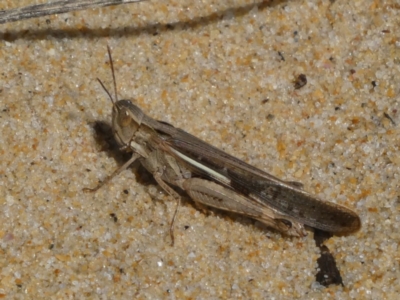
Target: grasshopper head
[[126, 117], [126, 120]]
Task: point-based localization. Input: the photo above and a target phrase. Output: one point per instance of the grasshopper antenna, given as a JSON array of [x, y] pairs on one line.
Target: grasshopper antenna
[[113, 75], [104, 88]]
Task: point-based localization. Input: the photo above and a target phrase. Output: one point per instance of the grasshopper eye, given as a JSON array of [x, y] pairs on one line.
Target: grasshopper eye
[[125, 119]]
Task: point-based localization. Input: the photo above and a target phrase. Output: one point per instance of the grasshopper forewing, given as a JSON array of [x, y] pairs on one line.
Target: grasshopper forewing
[[263, 189], [214, 178]]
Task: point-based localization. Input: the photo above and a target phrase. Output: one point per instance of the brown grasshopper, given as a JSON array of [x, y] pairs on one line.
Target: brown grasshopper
[[214, 178]]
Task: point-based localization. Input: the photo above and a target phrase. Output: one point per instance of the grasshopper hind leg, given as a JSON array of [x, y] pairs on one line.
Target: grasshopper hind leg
[[215, 195]]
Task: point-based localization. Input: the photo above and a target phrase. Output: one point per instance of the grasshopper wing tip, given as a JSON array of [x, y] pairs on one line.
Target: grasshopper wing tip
[[350, 224], [356, 223]]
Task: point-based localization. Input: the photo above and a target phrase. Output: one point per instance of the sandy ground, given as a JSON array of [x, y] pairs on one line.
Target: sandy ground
[[224, 71]]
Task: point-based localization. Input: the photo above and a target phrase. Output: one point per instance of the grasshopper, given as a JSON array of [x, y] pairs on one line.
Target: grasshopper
[[214, 178]]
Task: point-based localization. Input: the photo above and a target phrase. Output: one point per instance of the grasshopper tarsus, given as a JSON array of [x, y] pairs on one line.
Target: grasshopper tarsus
[[100, 185], [89, 190], [171, 227], [115, 173]]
